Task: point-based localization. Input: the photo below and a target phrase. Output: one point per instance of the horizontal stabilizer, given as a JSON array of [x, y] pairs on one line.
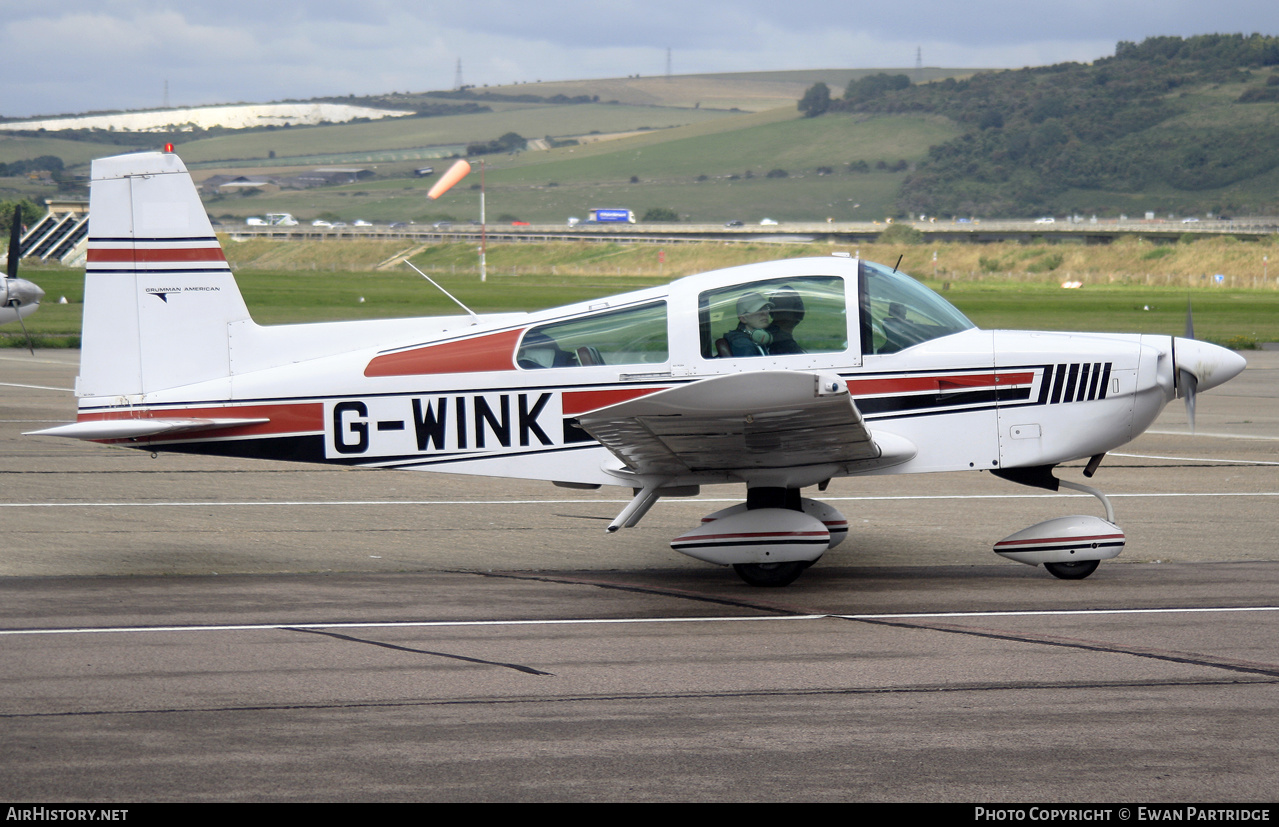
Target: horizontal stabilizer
[[138, 428]]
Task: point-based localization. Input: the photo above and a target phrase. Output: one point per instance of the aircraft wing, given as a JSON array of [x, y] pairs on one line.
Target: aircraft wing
[[746, 425]]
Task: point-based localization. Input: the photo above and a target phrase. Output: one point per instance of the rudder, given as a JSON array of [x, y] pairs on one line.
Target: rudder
[[158, 295]]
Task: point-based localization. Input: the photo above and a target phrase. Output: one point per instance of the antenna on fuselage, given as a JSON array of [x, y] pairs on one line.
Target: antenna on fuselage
[[475, 318]]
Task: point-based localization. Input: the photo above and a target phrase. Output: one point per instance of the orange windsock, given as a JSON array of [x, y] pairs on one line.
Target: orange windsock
[[456, 173]]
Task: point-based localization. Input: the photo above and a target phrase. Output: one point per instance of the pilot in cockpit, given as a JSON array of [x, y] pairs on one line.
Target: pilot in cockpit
[[788, 311]]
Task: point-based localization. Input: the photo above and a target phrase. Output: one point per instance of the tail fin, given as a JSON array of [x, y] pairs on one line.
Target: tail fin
[[159, 297]]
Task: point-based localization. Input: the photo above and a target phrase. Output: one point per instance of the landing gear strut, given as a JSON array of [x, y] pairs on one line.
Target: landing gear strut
[[768, 540], [772, 574], [1069, 547]]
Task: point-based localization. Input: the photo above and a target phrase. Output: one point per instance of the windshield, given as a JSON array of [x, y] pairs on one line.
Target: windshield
[[898, 312]]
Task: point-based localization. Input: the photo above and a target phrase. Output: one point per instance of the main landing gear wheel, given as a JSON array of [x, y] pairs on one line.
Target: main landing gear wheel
[[770, 574], [1072, 571]]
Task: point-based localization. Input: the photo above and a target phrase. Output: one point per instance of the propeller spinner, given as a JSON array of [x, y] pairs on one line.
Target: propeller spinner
[[1199, 365]]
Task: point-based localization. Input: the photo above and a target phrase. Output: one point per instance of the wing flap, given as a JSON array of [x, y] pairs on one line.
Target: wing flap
[[737, 424]]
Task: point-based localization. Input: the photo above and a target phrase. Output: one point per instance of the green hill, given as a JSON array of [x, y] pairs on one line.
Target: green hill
[[1170, 125]]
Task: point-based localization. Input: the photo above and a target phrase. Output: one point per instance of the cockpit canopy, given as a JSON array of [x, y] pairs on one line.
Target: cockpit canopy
[[898, 312], [797, 313]]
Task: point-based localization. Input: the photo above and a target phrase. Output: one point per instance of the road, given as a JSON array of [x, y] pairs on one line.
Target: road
[[192, 629]]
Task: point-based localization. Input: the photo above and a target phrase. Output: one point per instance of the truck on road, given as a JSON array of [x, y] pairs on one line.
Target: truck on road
[[611, 216]]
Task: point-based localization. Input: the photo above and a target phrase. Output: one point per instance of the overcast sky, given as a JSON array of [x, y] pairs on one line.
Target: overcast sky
[[74, 56]]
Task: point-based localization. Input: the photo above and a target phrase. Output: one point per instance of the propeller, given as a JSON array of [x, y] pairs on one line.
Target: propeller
[[1187, 382], [1200, 366], [14, 287]]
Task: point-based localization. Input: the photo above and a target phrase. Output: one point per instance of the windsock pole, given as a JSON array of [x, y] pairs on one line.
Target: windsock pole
[[484, 275]]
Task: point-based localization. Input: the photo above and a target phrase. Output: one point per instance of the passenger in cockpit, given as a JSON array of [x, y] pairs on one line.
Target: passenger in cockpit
[[751, 338]]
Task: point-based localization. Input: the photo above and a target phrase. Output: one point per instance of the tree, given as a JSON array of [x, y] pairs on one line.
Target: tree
[[901, 234], [874, 86], [660, 214], [815, 101], [30, 214]]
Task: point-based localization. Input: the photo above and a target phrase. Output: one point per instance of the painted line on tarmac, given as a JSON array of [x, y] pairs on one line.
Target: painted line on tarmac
[[70, 362], [1196, 459], [419, 503], [1209, 434], [403, 624], [36, 387], [409, 624]]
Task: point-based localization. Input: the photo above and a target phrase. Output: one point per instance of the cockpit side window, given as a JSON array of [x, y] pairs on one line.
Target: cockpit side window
[[774, 317], [898, 312], [636, 335]]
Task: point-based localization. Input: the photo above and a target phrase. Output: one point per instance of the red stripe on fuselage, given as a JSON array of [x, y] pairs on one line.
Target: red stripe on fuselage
[[116, 256], [482, 354], [303, 417], [933, 384], [576, 402]]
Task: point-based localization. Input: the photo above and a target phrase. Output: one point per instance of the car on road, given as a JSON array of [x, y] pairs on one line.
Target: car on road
[[734, 223], [1047, 219], [767, 222], [320, 222]]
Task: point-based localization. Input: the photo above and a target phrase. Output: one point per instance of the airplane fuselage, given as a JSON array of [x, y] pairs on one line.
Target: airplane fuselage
[[460, 401]]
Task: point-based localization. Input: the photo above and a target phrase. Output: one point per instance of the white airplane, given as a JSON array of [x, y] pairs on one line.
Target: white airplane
[[19, 298], [777, 376]]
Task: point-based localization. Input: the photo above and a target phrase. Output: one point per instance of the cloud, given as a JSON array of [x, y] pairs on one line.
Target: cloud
[[78, 55]]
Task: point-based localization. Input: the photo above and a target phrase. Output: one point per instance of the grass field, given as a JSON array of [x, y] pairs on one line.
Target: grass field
[[287, 283]]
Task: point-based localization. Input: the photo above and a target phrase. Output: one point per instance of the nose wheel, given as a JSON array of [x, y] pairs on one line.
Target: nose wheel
[[770, 574], [1072, 571]]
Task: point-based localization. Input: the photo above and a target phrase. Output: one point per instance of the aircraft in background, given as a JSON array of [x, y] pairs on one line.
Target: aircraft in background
[[777, 376], [19, 298]]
